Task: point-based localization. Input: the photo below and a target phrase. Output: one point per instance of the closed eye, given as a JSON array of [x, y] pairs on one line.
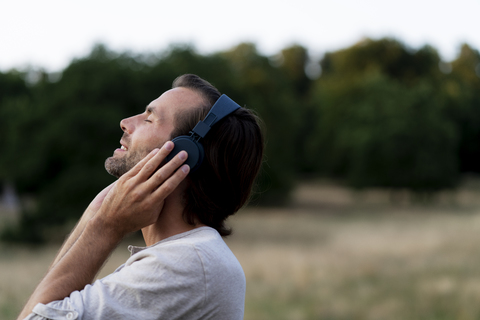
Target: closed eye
[[146, 120]]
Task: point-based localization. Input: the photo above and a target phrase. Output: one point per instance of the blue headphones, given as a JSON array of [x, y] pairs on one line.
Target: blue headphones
[[191, 144]]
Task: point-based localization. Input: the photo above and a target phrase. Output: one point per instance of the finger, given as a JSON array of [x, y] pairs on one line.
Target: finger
[[171, 183], [153, 163], [166, 171], [108, 188]]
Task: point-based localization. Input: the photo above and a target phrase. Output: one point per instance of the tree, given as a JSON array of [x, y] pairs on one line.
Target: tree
[[14, 99], [267, 91], [69, 128], [380, 120], [462, 91]]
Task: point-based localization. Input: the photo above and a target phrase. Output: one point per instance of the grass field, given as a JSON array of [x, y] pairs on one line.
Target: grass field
[[332, 254]]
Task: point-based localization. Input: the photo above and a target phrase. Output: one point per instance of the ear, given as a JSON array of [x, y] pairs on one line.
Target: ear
[[193, 148]]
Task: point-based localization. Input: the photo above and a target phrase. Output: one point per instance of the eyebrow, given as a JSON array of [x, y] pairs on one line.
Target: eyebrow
[[150, 109]]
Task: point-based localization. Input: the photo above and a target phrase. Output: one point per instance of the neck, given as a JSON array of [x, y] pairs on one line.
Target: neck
[[170, 221]]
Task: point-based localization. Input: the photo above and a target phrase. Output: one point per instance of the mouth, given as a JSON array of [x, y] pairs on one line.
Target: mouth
[[122, 148]]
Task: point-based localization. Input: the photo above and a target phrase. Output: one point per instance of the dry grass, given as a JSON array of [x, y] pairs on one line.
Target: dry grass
[[331, 255], [338, 255]]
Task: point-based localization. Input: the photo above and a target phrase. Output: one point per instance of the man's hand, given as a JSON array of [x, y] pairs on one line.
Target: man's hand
[[98, 200], [82, 223], [137, 199], [133, 202]]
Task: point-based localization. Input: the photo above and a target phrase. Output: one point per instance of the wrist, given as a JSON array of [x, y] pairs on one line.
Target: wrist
[[90, 212], [104, 230]]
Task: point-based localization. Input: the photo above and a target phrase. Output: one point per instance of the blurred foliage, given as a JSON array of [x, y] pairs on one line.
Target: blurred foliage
[[380, 114]]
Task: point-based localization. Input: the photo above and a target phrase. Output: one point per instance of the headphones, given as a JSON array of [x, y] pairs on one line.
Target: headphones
[[191, 144]]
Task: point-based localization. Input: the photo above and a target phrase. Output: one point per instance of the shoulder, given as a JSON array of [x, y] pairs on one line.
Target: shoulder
[[201, 252], [203, 245], [196, 246]]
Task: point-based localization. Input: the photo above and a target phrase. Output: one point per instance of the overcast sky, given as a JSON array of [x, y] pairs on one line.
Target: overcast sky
[[49, 33]]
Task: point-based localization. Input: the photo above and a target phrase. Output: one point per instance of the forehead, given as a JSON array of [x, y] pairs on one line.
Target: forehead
[[175, 100]]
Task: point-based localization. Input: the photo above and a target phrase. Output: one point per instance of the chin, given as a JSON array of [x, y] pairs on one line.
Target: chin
[[116, 166]]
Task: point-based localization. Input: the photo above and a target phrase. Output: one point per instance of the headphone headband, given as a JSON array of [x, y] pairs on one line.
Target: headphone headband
[[222, 108]]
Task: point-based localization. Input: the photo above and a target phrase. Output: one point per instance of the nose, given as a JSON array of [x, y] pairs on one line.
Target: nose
[[127, 125]]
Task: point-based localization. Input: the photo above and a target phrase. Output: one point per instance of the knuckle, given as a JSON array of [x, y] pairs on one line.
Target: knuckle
[[167, 187], [136, 195], [160, 175], [129, 184], [149, 167]]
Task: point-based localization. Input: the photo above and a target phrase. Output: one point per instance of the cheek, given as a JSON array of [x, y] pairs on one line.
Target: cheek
[[151, 136], [154, 140]]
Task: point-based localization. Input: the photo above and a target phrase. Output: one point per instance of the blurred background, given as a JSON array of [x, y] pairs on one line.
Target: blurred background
[[368, 202]]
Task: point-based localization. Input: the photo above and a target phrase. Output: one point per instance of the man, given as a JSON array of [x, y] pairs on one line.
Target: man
[[186, 271]]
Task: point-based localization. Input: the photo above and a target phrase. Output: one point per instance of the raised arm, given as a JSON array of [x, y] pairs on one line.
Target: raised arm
[[134, 202], [82, 223]]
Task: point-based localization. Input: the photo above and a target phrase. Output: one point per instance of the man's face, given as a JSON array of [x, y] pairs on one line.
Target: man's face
[[150, 129]]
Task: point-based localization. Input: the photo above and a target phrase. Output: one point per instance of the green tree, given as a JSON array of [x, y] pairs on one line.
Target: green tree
[[383, 134], [381, 120], [292, 62], [14, 97], [462, 91], [267, 91], [70, 127]]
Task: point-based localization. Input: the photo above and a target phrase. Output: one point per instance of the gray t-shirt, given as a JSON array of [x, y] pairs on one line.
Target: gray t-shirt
[[192, 275]]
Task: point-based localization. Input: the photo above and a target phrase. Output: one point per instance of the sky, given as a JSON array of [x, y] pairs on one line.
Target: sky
[[50, 33]]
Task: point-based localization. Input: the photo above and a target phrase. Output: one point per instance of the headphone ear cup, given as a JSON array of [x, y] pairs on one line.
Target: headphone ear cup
[[193, 148]]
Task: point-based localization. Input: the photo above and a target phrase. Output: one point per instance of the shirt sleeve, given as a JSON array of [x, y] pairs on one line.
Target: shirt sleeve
[[169, 284], [47, 312]]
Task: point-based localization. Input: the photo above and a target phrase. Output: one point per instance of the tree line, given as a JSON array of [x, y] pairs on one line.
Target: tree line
[[379, 114]]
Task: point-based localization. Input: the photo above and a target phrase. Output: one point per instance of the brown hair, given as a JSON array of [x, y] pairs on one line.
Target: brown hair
[[233, 155]]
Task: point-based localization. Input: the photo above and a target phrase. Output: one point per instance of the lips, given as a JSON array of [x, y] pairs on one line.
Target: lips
[[123, 145]]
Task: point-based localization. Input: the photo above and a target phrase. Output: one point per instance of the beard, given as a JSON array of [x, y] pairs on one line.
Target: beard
[[117, 167]]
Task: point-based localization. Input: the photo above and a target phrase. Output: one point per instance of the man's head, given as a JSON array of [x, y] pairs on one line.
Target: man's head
[[233, 155], [233, 149], [150, 129]]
